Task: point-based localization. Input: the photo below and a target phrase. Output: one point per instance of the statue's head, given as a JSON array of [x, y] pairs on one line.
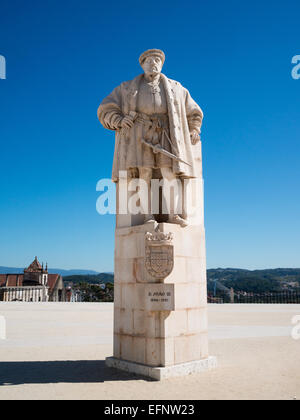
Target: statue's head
[[152, 61]]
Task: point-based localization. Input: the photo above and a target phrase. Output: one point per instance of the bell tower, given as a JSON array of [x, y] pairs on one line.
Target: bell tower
[[35, 274], [44, 279]]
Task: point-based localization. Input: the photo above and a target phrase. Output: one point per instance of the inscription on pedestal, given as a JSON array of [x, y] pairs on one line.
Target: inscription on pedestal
[[159, 297]]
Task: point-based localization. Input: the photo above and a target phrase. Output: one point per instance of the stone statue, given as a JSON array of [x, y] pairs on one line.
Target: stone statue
[[160, 287], [157, 126]]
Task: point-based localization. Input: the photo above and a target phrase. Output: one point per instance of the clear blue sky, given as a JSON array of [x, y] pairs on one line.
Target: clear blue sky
[[63, 57]]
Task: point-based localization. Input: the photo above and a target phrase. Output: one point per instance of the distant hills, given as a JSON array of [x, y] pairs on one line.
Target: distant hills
[[90, 279], [267, 280], [222, 279], [14, 270]]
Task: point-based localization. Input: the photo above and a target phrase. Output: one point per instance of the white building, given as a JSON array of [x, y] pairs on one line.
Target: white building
[[35, 285]]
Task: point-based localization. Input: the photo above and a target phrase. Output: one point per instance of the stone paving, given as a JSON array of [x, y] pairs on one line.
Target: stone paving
[[57, 351]]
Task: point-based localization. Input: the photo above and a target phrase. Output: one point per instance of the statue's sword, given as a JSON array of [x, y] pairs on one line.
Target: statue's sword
[[159, 149]]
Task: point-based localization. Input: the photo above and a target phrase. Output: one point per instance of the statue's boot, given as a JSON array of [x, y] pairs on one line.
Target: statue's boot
[[178, 220]]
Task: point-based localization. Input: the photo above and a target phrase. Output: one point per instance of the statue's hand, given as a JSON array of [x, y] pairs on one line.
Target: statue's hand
[[194, 137], [127, 122]]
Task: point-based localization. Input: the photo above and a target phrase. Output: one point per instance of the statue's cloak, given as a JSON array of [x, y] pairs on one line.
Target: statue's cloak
[[184, 115]]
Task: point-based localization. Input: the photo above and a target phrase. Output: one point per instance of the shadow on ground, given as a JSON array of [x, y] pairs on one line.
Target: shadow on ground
[[81, 371]]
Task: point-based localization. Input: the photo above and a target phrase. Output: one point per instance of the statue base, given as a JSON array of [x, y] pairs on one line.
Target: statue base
[[160, 299], [160, 373]]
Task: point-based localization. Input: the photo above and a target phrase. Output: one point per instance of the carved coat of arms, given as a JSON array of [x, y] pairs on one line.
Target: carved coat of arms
[[159, 254]]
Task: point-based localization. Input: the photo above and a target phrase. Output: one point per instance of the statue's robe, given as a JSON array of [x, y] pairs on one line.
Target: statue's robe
[[184, 116]]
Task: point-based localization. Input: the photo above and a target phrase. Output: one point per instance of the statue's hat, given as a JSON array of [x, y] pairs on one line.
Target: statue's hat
[[158, 53]]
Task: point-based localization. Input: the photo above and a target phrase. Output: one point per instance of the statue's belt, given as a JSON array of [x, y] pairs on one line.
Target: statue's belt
[[153, 121]]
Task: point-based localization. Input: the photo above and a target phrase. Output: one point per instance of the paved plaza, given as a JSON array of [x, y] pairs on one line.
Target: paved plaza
[[57, 351]]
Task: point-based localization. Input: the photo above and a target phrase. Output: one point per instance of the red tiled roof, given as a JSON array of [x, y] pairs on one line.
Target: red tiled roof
[[20, 279], [2, 280], [11, 280], [14, 280], [34, 267], [52, 280]]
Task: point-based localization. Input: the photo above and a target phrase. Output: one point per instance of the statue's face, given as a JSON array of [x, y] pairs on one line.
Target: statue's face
[[152, 64]]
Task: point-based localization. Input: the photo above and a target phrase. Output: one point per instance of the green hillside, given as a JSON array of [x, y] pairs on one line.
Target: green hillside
[[268, 280], [90, 279]]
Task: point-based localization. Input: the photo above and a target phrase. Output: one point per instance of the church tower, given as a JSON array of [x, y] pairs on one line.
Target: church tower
[[35, 274], [45, 276]]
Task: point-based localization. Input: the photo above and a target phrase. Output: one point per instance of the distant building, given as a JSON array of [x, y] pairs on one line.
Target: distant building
[[73, 294], [35, 285]]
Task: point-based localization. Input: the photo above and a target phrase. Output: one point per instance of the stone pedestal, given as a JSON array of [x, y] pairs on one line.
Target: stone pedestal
[[160, 324]]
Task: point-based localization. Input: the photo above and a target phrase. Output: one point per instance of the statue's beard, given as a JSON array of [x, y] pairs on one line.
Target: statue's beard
[[153, 73]]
